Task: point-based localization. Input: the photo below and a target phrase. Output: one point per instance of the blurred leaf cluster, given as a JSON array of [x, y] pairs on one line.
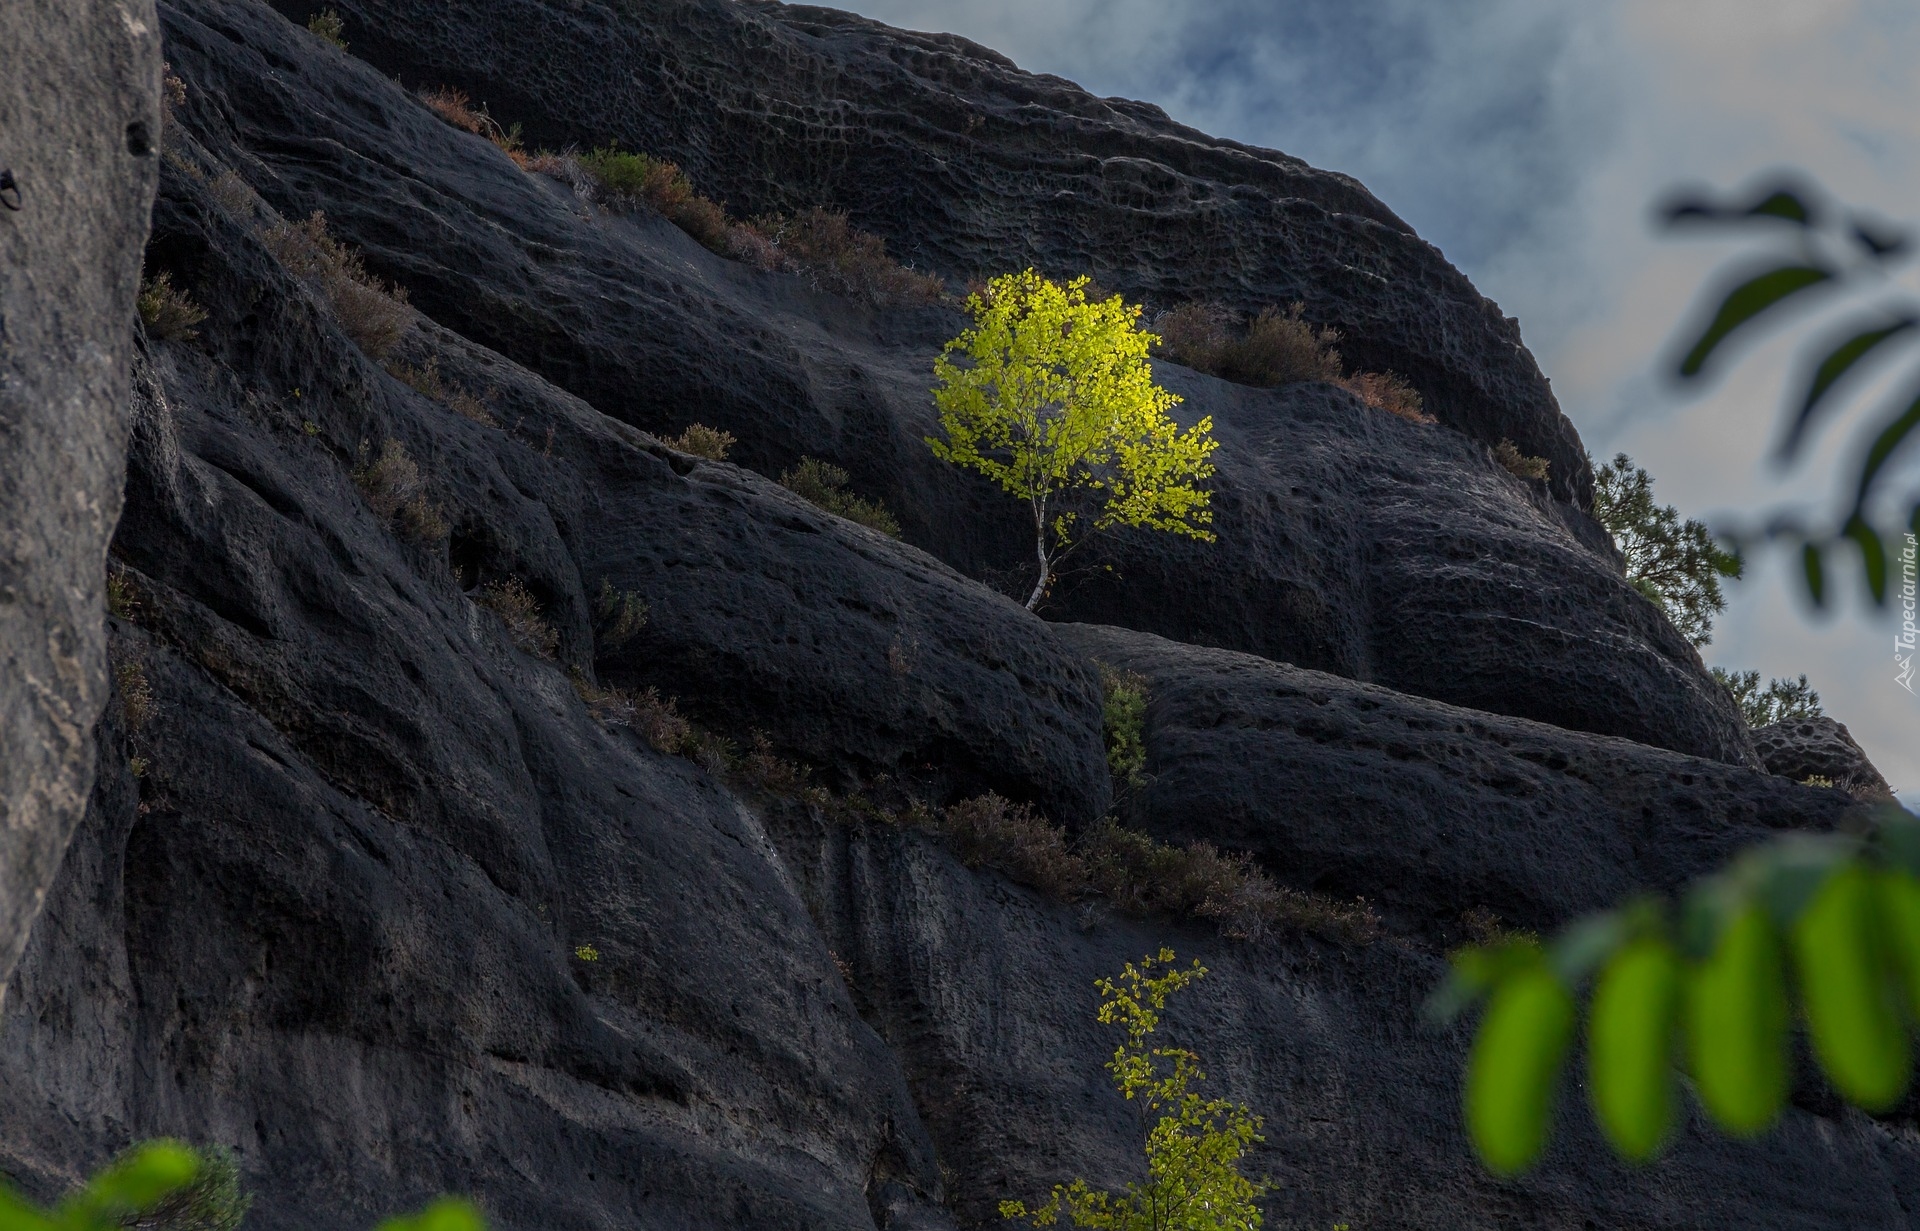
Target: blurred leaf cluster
[[1817, 251], [1822, 930]]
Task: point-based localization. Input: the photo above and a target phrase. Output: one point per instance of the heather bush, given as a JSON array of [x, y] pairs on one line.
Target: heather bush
[[628, 177], [373, 313], [329, 26], [520, 614], [1390, 392], [824, 484], [990, 832], [824, 244], [393, 488], [702, 441], [169, 313], [1518, 464], [619, 615], [426, 380]]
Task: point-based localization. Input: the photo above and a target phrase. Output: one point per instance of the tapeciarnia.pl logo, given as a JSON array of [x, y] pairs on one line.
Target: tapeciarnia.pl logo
[[1903, 644]]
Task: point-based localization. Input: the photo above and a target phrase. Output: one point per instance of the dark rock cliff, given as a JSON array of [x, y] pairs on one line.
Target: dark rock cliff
[[79, 140], [367, 892]]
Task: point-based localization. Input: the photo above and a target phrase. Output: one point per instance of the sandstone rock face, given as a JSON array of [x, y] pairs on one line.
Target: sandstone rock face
[[79, 133], [967, 165], [1803, 748], [1350, 541], [1429, 810], [387, 911]]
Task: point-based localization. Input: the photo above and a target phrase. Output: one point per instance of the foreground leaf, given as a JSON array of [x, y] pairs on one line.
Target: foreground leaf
[[1848, 999], [1827, 374], [1737, 1019], [1746, 301], [1515, 1066], [1630, 1042]]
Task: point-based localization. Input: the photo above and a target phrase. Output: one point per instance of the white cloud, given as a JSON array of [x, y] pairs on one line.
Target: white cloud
[[1528, 139]]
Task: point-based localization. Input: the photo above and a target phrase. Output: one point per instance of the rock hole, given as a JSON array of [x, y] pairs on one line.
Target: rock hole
[[139, 139]]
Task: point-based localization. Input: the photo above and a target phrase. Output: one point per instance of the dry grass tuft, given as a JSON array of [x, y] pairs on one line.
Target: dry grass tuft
[[1278, 348], [824, 485], [519, 612], [137, 705], [990, 832], [658, 721], [1147, 877], [123, 597], [394, 489], [426, 380], [373, 313], [1390, 392], [638, 178], [455, 108], [702, 441], [823, 244], [1519, 464], [170, 313]]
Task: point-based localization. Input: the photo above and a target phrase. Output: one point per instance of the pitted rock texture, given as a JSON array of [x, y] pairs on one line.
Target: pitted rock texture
[[79, 133], [1429, 810], [1803, 748], [969, 166], [1350, 541]]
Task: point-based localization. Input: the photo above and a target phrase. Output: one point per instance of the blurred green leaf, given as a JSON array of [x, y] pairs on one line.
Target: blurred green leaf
[[1846, 994], [1900, 906], [1837, 364], [131, 1186], [1737, 1019], [1873, 556], [1777, 202], [1746, 301], [445, 1214], [1582, 947], [1884, 446], [1630, 1046], [1514, 1067], [17, 1215], [1816, 572]]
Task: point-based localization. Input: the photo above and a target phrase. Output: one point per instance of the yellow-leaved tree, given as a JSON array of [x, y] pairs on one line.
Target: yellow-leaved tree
[[1193, 1148], [1055, 401]]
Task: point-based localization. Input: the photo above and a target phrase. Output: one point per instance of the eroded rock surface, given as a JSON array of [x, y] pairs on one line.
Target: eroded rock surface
[[1804, 748], [79, 135], [366, 893], [1350, 541], [968, 165], [1427, 809]]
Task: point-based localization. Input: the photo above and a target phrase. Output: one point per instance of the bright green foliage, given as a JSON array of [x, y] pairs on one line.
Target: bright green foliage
[[1851, 995], [1737, 1022], [129, 1187], [1515, 1066], [1056, 403], [328, 25], [1195, 1146], [1710, 983], [1125, 720], [167, 1185], [445, 1214], [1630, 1046], [1835, 250], [211, 1202], [1674, 563], [1779, 701]]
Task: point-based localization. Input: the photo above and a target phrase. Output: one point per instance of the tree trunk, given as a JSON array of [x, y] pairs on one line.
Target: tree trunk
[[1040, 586]]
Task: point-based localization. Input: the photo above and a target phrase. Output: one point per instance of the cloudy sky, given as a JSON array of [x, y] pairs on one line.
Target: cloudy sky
[[1529, 139]]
